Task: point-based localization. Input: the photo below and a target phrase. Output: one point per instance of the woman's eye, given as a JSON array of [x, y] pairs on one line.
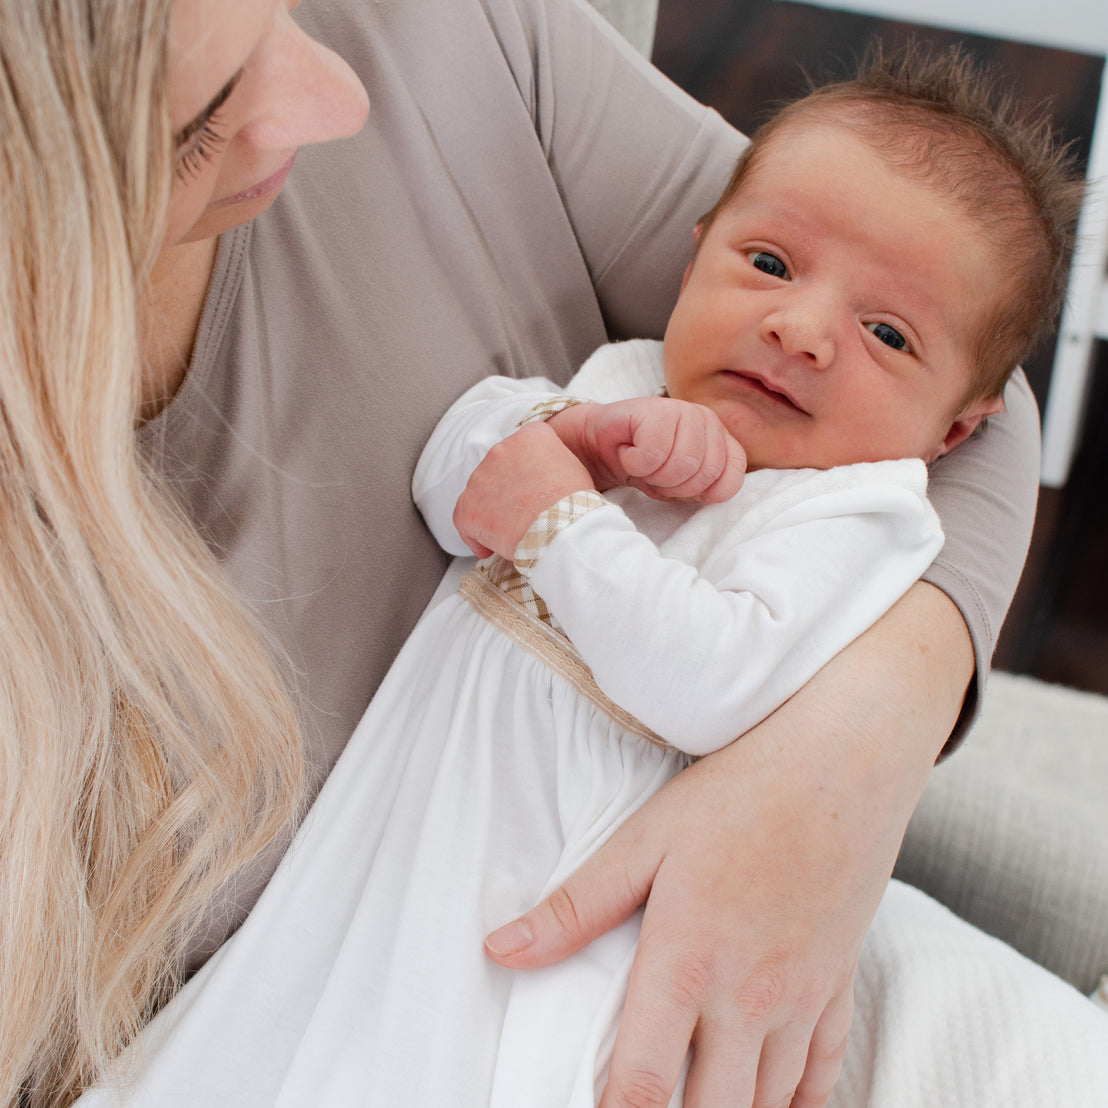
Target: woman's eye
[[200, 148], [890, 336], [769, 263]]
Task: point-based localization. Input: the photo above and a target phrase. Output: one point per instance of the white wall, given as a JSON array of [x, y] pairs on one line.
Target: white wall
[[1070, 24]]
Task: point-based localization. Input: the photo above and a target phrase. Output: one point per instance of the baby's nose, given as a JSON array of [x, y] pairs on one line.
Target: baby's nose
[[803, 331]]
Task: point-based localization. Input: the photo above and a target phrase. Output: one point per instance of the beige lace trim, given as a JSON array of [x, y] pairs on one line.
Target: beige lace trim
[[492, 589]]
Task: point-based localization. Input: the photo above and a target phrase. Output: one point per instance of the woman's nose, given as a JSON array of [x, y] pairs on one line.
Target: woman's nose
[[305, 93], [802, 329]]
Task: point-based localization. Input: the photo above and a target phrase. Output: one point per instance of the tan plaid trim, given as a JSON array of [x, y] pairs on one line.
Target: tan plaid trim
[[553, 522], [502, 574], [541, 412]]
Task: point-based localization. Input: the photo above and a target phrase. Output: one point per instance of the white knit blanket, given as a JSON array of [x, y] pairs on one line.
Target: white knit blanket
[[948, 1016]]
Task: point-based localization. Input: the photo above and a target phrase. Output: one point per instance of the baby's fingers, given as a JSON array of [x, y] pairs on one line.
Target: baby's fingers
[[673, 452], [654, 455], [732, 476], [692, 459]]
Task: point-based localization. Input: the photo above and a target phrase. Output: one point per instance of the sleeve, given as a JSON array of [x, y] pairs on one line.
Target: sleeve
[[985, 493], [495, 407], [636, 160], [488, 412], [700, 660]]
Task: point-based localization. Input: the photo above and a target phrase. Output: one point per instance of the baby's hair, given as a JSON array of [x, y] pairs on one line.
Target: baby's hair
[[942, 116]]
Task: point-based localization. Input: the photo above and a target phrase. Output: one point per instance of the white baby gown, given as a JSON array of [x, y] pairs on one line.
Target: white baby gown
[[492, 762]]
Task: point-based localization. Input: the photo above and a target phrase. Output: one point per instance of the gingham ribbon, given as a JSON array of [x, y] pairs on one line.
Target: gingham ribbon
[[505, 577], [500, 594], [547, 408], [553, 522]]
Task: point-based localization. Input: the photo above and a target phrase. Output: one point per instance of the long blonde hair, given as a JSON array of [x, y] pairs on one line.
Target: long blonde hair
[[148, 747]]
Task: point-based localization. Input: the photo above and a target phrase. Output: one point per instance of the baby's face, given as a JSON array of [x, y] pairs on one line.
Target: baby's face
[[832, 309]]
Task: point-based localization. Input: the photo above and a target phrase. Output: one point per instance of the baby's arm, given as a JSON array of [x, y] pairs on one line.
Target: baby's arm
[[702, 656], [519, 479], [663, 447], [484, 415], [667, 449]]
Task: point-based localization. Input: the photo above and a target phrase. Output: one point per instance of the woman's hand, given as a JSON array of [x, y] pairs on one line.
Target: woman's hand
[[668, 449], [761, 867]]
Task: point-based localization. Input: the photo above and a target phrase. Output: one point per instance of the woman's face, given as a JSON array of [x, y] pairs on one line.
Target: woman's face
[[247, 88]]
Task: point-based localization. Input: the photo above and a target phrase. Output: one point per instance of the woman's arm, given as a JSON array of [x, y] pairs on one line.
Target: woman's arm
[[985, 493], [763, 865]]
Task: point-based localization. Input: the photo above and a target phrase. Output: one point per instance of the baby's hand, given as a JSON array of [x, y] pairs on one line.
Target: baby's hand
[[516, 482], [668, 449]]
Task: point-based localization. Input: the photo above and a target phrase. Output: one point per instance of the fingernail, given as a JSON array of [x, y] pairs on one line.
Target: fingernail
[[511, 938]]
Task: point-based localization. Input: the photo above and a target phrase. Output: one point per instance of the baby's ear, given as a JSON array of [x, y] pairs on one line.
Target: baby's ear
[[697, 232], [966, 423]]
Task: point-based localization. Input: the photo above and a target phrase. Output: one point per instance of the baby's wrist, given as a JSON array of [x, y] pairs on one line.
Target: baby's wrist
[[569, 424], [568, 417], [552, 522], [577, 429], [552, 410]]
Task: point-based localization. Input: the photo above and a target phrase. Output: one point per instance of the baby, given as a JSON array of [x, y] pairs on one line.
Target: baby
[[885, 253]]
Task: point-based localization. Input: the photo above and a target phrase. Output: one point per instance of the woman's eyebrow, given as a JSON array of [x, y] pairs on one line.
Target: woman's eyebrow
[[220, 98]]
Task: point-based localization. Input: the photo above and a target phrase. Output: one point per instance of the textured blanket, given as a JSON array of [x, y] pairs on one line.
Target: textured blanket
[[948, 1016]]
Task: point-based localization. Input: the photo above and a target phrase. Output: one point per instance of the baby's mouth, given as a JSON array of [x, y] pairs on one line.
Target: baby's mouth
[[765, 389]]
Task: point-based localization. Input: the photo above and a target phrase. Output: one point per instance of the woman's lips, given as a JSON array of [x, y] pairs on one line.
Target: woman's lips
[[271, 184]]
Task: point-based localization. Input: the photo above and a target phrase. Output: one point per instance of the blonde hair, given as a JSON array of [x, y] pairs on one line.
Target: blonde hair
[[148, 747]]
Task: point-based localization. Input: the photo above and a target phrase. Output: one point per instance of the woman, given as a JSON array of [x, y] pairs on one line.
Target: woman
[[525, 186], [124, 646]]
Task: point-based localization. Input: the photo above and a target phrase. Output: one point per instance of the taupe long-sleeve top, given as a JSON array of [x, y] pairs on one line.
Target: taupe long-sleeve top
[[526, 188]]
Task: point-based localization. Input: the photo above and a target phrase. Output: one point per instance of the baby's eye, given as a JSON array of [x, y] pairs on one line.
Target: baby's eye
[[769, 263], [890, 336]]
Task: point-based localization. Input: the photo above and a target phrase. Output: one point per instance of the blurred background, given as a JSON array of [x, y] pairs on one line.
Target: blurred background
[[744, 56]]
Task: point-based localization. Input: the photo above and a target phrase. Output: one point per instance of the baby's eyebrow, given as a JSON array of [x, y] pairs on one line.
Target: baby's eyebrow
[[217, 102]]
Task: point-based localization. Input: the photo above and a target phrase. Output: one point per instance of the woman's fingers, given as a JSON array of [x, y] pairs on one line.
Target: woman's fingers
[[665, 996], [603, 893], [826, 1053]]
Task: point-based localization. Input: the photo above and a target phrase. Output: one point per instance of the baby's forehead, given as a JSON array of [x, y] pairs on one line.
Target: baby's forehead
[[830, 146], [910, 147], [928, 153]]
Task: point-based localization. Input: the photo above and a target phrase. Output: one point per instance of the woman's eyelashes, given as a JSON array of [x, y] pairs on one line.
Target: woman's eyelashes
[[200, 147], [199, 141]]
